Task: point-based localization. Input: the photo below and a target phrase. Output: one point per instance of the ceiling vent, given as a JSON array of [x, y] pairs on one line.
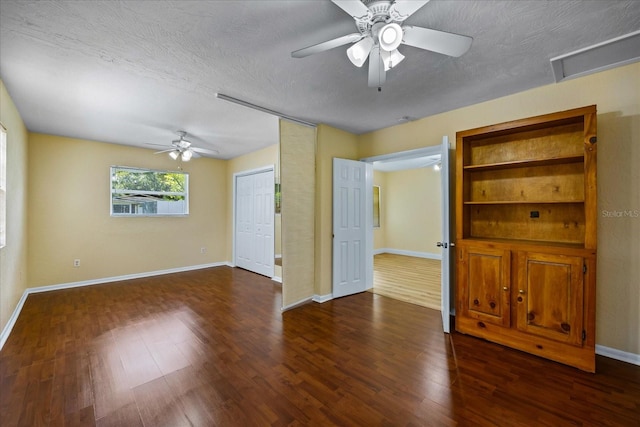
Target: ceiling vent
[[602, 56]]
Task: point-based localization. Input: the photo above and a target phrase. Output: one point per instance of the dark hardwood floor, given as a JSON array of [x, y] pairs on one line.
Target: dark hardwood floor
[[210, 347]]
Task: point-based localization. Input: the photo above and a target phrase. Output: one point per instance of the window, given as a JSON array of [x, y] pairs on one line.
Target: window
[[145, 192], [3, 186]]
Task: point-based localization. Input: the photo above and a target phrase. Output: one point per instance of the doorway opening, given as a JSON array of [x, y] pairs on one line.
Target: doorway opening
[[407, 262], [426, 235]]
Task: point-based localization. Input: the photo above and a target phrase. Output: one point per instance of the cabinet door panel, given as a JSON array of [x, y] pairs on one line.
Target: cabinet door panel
[[550, 296], [485, 275]]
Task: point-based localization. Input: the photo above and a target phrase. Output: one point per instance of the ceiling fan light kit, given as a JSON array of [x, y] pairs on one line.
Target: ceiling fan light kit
[[182, 149], [359, 52], [381, 33], [390, 37]]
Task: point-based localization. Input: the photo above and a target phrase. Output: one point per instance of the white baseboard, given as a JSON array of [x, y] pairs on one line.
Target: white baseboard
[[416, 254], [12, 320], [296, 304], [613, 353], [16, 312], [322, 298]]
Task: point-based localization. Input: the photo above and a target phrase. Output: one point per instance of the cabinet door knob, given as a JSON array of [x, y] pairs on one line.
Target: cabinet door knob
[[521, 291], [505, 289]]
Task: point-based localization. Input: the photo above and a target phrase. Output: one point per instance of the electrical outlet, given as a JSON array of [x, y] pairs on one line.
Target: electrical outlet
[[76, 263], [203, 250]]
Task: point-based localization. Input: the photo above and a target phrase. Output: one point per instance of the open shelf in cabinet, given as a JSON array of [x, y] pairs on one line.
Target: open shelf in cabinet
[[526, 163], [549, 222]]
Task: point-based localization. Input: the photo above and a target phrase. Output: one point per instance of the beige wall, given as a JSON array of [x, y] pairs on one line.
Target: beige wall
[[69, 217], [617, 95], [331, 143], [269, 156], [412, 206], [13, 257]]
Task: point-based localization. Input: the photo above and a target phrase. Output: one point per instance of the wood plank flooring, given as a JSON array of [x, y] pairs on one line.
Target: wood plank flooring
[[409, 279], [211, 348]]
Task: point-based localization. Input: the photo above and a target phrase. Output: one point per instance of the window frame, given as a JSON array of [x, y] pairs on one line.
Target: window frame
[[114, 168]]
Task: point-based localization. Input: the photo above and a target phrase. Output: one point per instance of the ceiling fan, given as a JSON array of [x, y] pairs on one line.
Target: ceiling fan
[[380, 33], [182, 148]]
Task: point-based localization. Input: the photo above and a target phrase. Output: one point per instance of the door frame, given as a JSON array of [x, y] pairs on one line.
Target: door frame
[[236, 175], [446, 296]]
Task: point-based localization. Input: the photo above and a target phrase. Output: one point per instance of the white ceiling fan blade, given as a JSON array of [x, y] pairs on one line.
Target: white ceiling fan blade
[[164, 151], [330, 44], [355, 8], [377, 74], [436, 41], [194, 154], [402, 9], [204, 151]]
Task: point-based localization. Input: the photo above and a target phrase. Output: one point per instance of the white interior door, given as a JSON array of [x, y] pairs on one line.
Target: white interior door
[[445, 244], [263, 196], [255, 222], [244, 221], [352, 218]]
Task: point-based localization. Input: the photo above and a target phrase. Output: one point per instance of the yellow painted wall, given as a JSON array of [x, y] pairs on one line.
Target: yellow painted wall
[[331, 143], [617, 95], [412, 206], [13, 257], [269, 156], [69, 217]]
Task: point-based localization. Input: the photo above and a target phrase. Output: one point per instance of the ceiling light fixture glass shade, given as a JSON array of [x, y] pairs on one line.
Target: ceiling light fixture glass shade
[[174, 154], [186, 155], [390, 37], [391, 59], [359, 52]]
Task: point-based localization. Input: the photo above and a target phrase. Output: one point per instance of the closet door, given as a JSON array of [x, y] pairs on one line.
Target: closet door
[[254, 222]]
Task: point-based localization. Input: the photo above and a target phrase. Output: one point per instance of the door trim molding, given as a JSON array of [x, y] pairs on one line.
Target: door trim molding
[[409, 154]]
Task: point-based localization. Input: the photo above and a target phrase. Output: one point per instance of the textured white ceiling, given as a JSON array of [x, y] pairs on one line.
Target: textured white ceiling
[[133, 72]]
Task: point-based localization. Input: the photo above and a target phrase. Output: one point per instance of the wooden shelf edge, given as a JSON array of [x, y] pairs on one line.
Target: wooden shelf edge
[[529, 245], [525, 163], [522, 202]]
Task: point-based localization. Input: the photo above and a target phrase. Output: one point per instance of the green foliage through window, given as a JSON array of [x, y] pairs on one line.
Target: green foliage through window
[[148, 192]]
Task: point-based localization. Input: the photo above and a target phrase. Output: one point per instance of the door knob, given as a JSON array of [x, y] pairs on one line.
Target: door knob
[[521, 291], [441, 245]]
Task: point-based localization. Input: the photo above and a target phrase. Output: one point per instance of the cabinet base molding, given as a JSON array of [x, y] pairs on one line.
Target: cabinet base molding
[[580, 357]]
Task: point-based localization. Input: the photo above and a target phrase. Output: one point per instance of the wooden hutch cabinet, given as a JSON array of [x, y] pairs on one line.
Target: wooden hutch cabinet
[[526, 235]]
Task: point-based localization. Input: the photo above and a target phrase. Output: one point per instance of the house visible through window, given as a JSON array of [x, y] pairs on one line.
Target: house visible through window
[[145, 192], [3, 186]]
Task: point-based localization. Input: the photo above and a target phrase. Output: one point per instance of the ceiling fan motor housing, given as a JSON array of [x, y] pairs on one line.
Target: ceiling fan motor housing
[[378, 12]]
